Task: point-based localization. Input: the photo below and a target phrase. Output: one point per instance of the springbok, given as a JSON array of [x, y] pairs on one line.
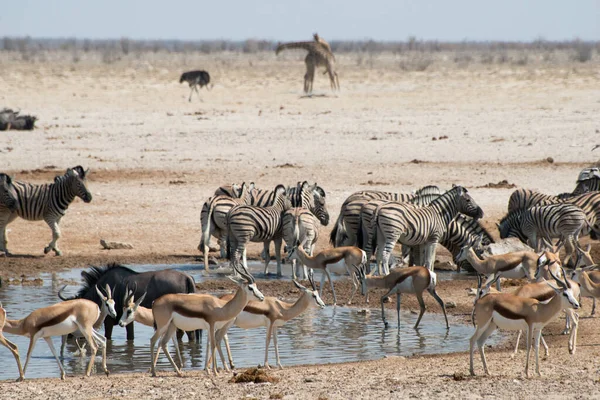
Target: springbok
[[511, 312], [589, 279], [10, 345], [271, 313], [199, 311], [57, 320], [520, 264], [106, 309], [410, 280], [339, 260]]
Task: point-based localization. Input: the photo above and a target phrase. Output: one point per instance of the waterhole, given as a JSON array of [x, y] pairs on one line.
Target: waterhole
[[319, 336]]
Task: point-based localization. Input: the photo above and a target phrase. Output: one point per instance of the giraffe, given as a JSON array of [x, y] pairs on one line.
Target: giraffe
[[319, 55]]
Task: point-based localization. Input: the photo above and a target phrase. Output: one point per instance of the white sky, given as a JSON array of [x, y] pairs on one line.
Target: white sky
[[451, 20]]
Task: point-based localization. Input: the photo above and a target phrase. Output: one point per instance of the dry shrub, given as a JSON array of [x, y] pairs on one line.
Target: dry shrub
[[583, 52], [255, 375]]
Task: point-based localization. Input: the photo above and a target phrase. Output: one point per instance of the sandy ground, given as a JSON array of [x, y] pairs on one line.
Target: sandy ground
[[155, 158]]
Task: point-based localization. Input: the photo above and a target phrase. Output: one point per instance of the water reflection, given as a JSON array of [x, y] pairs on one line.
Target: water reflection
[[317, 337]]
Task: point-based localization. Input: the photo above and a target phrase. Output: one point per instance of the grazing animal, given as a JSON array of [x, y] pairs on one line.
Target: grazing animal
[[10, 345], [412, 280], [213, 219], [195, 79], [199, 311], [588, 181], [339, 260], [423, 227], [271, 313], [154, 283], [300, 226], [319, 55], [461, 231], [510, 312], [57, 320], [8, 195], [10, 119], [540, 224], [48, 202], [246, 223]]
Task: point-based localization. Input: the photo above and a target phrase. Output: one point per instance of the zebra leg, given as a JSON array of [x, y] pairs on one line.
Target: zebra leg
[[429, 253], [53, 224], [267, 257], [277, 243], [4, 220]]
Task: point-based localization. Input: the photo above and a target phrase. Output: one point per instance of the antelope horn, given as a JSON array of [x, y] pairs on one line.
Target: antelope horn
[[126, 296], [565, 278], [558, 280], [311, 279], [102, 296], [298, 285], [108, 291]]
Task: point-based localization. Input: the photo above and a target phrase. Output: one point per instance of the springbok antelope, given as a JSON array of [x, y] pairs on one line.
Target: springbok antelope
[[10, 345], [57, 320], [410, 280], [339, 260], [271, 313], [134, 311], [520, 264], [589, 279], [511, 312], [106, 309], [199, 311]]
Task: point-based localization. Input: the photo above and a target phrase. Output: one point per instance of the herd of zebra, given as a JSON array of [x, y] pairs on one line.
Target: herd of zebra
[[372, 220]]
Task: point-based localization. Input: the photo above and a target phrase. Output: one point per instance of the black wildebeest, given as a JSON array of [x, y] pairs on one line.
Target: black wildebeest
[[154, 283], [195, 79]]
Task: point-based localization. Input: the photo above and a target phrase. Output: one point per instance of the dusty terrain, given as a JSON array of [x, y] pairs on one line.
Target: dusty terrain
[[155, 158]]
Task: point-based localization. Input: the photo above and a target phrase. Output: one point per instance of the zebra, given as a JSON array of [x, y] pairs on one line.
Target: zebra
[[366, 237], [300, 228], [540, 224], [312, 198], [588, 181], [8, 195], [213, 219], [195, 79], [234, 190], [246, 223], [523, 199], [462, 230], [422, 227], [48, 202], [345, 230]]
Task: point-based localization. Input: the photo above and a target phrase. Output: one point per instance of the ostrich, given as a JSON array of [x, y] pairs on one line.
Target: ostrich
[[195, 79]]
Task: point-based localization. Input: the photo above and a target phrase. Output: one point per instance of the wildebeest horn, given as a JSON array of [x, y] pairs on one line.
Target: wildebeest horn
[[60, 296]]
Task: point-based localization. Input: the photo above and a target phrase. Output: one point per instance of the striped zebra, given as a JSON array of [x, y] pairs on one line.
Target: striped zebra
[[423, 227], [300, 228], [234, 190], [248, 223], [213, 219], [427, 190], [589, 202], [588, 181], [462, 230], [366, 237], [538, 225], [8, 195], [48, 202], [311, 197]]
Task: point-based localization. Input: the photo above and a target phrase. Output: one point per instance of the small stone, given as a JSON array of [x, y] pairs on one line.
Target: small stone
[[115, 245], [450, 304], [550, 160], [363, 311], [309, 380]]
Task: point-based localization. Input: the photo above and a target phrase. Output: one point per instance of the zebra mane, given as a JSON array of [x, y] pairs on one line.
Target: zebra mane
[[512, 215], [93, 275], [448, 194]]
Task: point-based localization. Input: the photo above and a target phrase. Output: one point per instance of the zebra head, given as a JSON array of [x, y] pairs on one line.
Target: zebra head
[[510, 225], [313, 198], [466, 204], [8, 195], [77, 178]]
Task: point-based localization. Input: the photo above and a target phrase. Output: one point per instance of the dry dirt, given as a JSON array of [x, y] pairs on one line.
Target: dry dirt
[[155, 158]]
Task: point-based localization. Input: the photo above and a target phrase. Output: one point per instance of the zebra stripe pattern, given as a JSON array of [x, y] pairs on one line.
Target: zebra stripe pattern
[[234, 190], [588, 181], [213, 219], [310, 197], [462, 230], [544, 223], [522, 199], [248, 223], [300, 227], [423, 227], [8, 195], [48, 202]]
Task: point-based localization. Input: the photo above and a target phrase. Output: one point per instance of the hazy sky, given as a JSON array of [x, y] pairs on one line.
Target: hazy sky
[[452, 20]]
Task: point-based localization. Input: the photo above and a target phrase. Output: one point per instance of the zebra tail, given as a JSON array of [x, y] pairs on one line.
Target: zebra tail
[[359, 235], [206, 231], [296, 231], [334, 232]]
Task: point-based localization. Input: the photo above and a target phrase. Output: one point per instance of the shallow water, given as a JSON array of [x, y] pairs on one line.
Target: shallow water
[[317, 337]]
